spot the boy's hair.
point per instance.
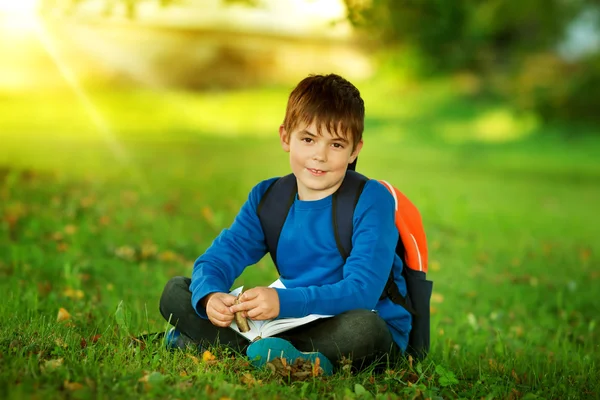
(330, 101)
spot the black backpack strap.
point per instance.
(343, 204)
(273, 209)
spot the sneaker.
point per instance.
(177, 340)
(264, 350)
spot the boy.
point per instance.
(322, 132)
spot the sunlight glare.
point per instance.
(18, 14)
(18, 6)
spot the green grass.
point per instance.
(511, 227)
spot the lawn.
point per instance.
(106, 195)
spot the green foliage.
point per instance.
(513, 252)
(509, 44)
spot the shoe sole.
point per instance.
(264, 350)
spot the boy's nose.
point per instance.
(320, 155)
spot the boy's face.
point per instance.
(319, 162)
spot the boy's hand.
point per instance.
(218, 309)
(258, 303)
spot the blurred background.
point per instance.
(132, 130)
(538, 62)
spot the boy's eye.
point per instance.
(307, 140)
(338, 146)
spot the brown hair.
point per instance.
(330, 101)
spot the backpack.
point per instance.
(412, 246)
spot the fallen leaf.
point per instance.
(515, 377)
(73, 293)
(585, 254)
(316, 369)
(193, 358)
(50, 365)
(61, 343)
(90, 383)
(44, 288)
(208, 214)
(148, 250)
(87, 201)
(72, 386)
(95, 338)
(57, 236)
(70, 229)
(248, 380)
(168, 255)
(62, 247)
(153, 377)
(437, 298)
(63, 315)
(125, 252)
(207, 356)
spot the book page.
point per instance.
(272, 327)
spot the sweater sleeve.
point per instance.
(366, 270)
(235, 248)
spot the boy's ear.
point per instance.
(284, 138)
(357, 150)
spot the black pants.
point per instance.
(360, 335)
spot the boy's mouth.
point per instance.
(316, 172)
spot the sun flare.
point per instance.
(18, 14)
(19, 7)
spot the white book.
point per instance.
(271, 327)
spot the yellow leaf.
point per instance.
(61, 343)
(70, 229)
(148, 250)
(73, 294)
(207, 356)
(57, 236)
(72, 386)
(52, 364)
(63, 315)
(168, 255)
(437, 298)
(125, 252)
(193, 358)
(208, 214)
(247, 379)
(62, 247)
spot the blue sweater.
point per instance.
(316, 278)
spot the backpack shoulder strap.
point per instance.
(273, 209)
(343, 204)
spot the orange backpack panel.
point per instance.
(409, 224)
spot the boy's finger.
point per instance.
(245, 306)
(258, 314)
(222, 318)
(229, 300)
(223, 309)
(249, 295)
